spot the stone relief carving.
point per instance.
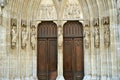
(47, 11)
(72, 11)
(87, 36)
(96, 33)
(24, 35)
(60, 36)
(33, 36)
(106, 31)
(13, 33)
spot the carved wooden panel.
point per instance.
(73, 29)
(47, 29)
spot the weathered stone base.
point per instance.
(26, 78)
(87, 77)
(60, 77)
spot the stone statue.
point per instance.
(33, 37)
(60, 36)
(96, 37)
(87, 36)
(96, 33)
(106, 35)
(106, 31)
(13, 36)
(24, 37)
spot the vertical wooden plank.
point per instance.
(67, 58)
(42, 59)
(52, 58)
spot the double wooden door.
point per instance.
(73, 59)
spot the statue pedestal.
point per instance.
(60, 77)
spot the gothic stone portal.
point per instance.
(73, 57)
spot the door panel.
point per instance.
(67, 58)
(52, 58)
(79, 58)
(47, 51)
(73, 55)
(42, 59)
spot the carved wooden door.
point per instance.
(73, 57)
(47, 51)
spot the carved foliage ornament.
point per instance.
(33, 36)
(13, 33)
(24, 34)
(87, 35)
(96, 33)
(106, 31)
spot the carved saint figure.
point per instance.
(13, 36)
(106, 35)
(24, 37)
(33, 37)
(60, 36)
(87, 36)
(97, 37)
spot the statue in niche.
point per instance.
(96, 33)
(106, 31)
(24, 37)
(33, 37)
(96, 36)
(13, 36)
(87, 36)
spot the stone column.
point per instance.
(60, 54)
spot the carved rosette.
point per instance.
(96, 33)
(13, 33)
(24, 34)
(106, 31)
(33, 36)
(87, 36)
